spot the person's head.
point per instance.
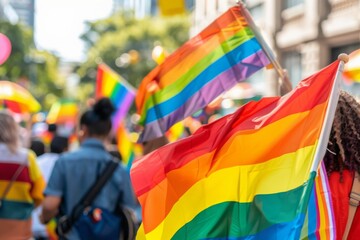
(38, 146)
(59, 144)
(96, 122)
(52, 128)
(9, 131)
(343, 150)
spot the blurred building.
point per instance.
(25, 10)
(141, 8)
(306, 35)
(7, 12)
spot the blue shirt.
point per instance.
(75, 172)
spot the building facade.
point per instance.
(25, 10)
(306, 35)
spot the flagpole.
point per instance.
(267, 50)
(330, 114)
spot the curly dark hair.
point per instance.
(344, 142)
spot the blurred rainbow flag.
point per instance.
(51, 229)
(112, 85)
(17, 99)
(224, 53)
(176, 132)
(126, 146)
(351, 71)
(64, 111)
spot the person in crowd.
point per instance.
(38, 146)
(342, 163)
(154, 144)
(21, 182)
(74, 172)
(58, 145)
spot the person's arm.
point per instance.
(128, 195)
(38, 182)
(50, 208)
(129, 198)
(54, 192)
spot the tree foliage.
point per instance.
(38, 68)
(125, 44)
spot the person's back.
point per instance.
(342, 163)
(21, 183)
(78, 170)
(75, 172)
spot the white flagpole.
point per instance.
(267, 50)
(330, 114)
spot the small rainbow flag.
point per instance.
(248, 175)
(17, 99)
(223, 54)
(175, 132)
(112, 85)
(63, 111)
(51, 230)
(125, 146)
(352, 68)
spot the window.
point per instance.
(292, 63)
(343, 49)
(292, 3)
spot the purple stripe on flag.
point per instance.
(329, 205)
(205, 95)
(123, 109)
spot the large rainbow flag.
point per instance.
(248, 175)
(223, 54)
(112, 85)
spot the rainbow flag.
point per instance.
(352, 68)
(125, 146)
(319, 221)
(63, 111)
(51, 229)
(248, 175)
(175, 132)
(112, 85)
(223, 54)
(17, 99)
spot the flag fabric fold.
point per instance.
(248, 174)
(223, 54)
(112, 85)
